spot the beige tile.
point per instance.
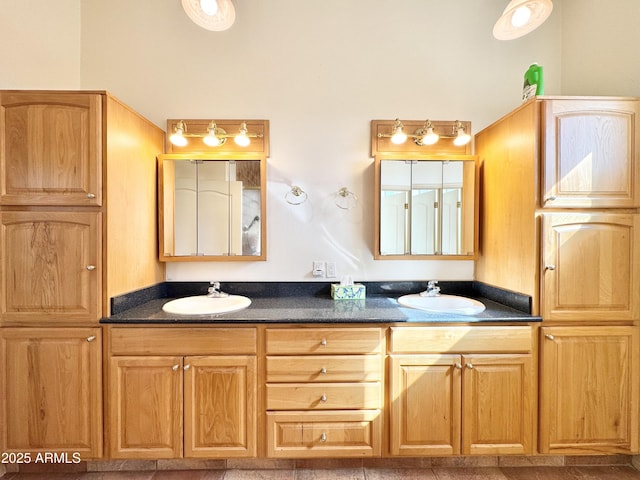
(399, 474)
(598, 460)
(121, 465)
(124, 475)
(330, 474)
(469, 473)
(329, 463)
(531, 461)
(480, 461)
(259, 475)
(260, 464)
(191, 464)
(541, 473)
(608, 473)
(397, 463)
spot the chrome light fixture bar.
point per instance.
(521, 17)
(214, 137)
(426, 135)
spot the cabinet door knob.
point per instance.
(323, 341)
(91, 267)
(548, 336)
(323, 370)
(458, 365)
(91, 338)
(323, 398)
(91, 195)
(469, 365)
(175, 368)
(551, 198)
(323, 437)
(186, 367)
(549, 267)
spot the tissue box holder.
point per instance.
(356, 291)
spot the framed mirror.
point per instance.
(212, 208)
(425, 207)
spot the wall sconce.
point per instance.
(521, 17)
(214, 15)
(214, 137)
(427, 135)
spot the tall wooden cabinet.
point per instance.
(560, 220)
(77, 203)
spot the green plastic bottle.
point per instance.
(533, 82)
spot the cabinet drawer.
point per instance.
(320, 341)
(323, 396)
(469, 339)
(324, 368)
(180, 341)
(320, 434)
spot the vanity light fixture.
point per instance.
(461, 136)
(214, 137)
(214, 15)
(521, 17)
(426, 135)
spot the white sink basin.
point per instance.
(203, 305)
(443, 304)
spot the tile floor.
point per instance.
(589, 472)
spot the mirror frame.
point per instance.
(163, 223)
(470, 216)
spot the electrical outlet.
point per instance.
(318, 268)
(331, 269)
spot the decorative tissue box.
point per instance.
(356, 291)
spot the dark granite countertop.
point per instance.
(311, 302)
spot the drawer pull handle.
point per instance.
(323, 398)
(91, 195)
(551, 198)
(458, 365)
(323, 437)
(323, 342)
(548, 336)
(549, 267)
(323, 370)
(91, 267)
(91, 338)
(470, 365)
(175, 368)
(186, 367)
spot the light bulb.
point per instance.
(209, 7)
(430, 137)
(521, 16)
(177, 137)
(242, 140)
(462, 138)
(211, 140)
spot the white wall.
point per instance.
(320, 71)
(40, 44)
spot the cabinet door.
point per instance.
(425, 404)
(498, 405)
(589, 390)
(50, 148)
(51, 386)
(50, 267)
(591, 266)
(220, 406)
(590, 149)
(145, 407)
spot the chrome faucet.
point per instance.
(214, 291)
(432, 289)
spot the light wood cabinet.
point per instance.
(51, 386)
(591, 266)
(590, 151)
(570, 153)
(171, 406)
(50, 148)
(324, 392)
(589, 390)
(447, 403)
(50, 267)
